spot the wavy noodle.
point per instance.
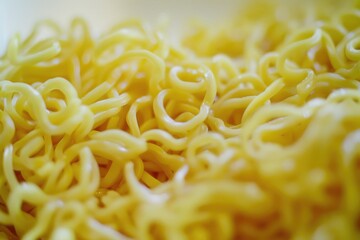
(249, 131)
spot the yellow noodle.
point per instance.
(246, 130)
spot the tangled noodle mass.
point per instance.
(246, 131)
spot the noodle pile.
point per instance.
(246, 131)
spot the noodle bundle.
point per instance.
(246, 131)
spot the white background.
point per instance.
(20, 15)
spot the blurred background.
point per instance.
(20, 15)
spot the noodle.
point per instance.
(246, 131)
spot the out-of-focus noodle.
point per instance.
(246, 131)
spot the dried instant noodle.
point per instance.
(248, 131)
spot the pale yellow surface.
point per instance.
(249, 129)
